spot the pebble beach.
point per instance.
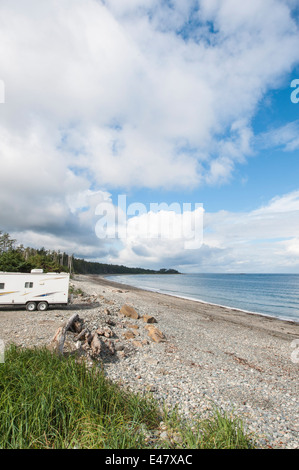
(244, 364)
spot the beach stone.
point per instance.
(132, 325)
(110, 347)
(164, 435)
(155, 334)
(96, 344)
(129, 335)
(152, 361)
(176, 437)
(149, 319)
(70, 346)
(128, 311)
(139, 343)
(151, 388)
(106, 331)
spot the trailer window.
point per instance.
(28, 285)
(2, 285)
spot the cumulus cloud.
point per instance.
(122, 94)
(258, 241)
(113, 95)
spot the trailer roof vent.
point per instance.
(37, 270)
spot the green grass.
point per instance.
(74, 291)
(219, 431)
(51, 402)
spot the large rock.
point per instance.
(129, 334)
(149, 319)
(155, 334)
(128, 311)
(96, 344)
(118, 346)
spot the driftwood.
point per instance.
(59, 338)
(95, 343)
(88, 337)
(83, 334)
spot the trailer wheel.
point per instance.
(31, 306)
(42, 306)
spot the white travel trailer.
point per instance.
(35, 290)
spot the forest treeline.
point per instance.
(17, 258)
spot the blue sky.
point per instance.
(267, 173)
(174, 102)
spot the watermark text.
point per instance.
(295, 93)
(163, 221)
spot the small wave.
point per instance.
(176, 287)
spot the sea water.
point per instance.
(275, 295)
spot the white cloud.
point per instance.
(124, 94)
(263, 240)
(258, 241)
(79, 69)
(285, 137)
(287, 204)
(291, 247)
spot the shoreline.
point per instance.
(289, 320)
(254, 319)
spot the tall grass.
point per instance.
(219, 431)
(51, 402)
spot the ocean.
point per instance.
(275, 295)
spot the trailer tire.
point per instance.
(42, 306)
(31, 306)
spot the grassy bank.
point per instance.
(52, 402)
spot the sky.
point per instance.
(187, 111)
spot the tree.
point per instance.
(6, 243)
(13, 261)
